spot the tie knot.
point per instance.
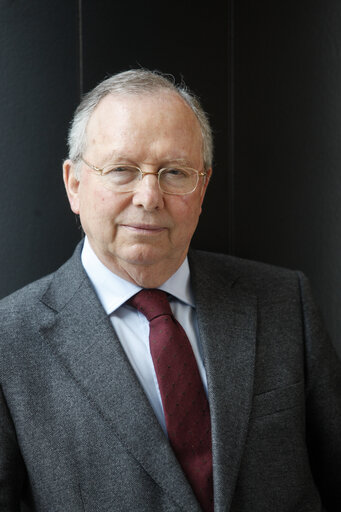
(151, 303)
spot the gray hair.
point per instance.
(135, 81)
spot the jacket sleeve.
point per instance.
(12, 470)
(323, 404)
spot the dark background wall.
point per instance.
(287, 132)
(269, 75)
(39, 75)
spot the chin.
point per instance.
(143, 256)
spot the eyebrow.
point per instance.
(114, 156)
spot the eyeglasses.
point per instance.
(172, 180)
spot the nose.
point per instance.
(147, 193)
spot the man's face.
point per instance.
(142, 236)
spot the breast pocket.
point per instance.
(277, 400)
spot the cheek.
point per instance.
(93, 214)
(192, 205)
(100, 204)
(185, 212)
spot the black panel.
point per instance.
(186, 39)
(287, 135)
(38, 90)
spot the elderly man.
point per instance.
(143, 376)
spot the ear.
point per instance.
(205, 184)
(71, 185)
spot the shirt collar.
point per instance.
(113, 291)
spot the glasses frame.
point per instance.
(101, 172)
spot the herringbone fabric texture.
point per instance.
(183, 396)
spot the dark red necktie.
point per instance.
(183, 396)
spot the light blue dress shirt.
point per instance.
(132, 327)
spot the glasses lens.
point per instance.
(122, 177)
(172, 180)
(178, 180)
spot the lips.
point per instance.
(144, 228)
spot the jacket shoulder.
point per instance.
(232, 269)
(25, 298)
(63, 279)
(28, 304)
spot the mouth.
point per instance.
(147, 229)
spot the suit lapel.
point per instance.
(83, 340)
(227, 326)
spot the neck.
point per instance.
(146, 276)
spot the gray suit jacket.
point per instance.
(77, 432)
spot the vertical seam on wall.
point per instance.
(230, 128)
(80, 47)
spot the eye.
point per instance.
(121, 174)
(177, 173)
(122, 169)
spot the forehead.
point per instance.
(147, 123)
